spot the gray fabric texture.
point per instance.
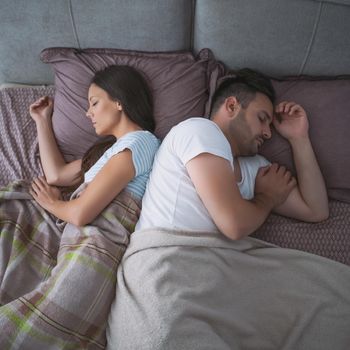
(330, 238)
(278, 37)
(188, 290)
(27, 27)
(19, 151)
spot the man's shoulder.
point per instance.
(195, 121)
(195, 125)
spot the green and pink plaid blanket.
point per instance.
(57, 281)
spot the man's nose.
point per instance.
(267, 132)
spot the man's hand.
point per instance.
(274, 183)
(291, 121)
(41, 109)
(43, 193)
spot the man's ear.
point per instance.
(232, 105)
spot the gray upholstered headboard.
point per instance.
(279, 37)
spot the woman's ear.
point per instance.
(119, 106)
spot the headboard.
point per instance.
(278, 37)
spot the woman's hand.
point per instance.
(43, 193)
(291, 121)
(41, 109)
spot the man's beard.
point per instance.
(247, 143)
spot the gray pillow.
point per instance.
(179, 81)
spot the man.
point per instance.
(207, 175)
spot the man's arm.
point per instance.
(308, 201)
(234, 216)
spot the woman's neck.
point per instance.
(125, 126)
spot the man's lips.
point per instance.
(260, 142)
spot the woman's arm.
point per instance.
(110, 180)
(56, 170)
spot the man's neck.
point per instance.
(237, 170)
(233, 145)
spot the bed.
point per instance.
(284, 287)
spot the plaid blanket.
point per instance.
(58, 280)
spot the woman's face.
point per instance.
(104, 113)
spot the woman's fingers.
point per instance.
(35, 186)
(39, 184)
(44, 100)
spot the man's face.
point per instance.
(251, 127)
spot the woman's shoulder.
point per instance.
(139, 137)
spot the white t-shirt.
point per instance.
(171, 200)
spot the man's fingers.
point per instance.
(281, 169)
(288, 175)
(288, 106)
(279, 107)
(274, 167)
(295, 108)
(263, 170)
(292, 182)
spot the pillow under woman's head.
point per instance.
(180, 84)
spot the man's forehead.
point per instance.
(264, 105)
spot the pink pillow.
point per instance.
(180, 84)
(327, 103)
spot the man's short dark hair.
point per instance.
(243, 84)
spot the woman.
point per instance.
(121, 106)
(65, 304)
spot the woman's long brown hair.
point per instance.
(128, 86)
